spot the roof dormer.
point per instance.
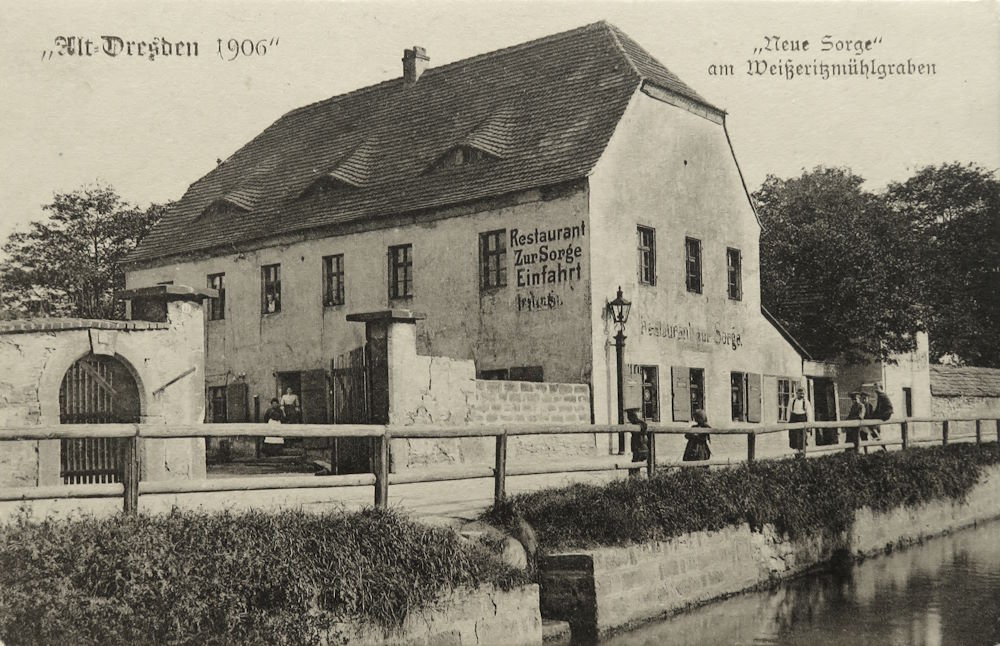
(356, 170)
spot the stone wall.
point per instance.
(36, 355)
(968, 407)
(464, 618)
(608, 589)
(445, 391)
(522, 402)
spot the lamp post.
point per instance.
(619, 309)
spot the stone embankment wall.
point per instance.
(608, 589)
(464, 618)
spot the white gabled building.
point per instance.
(506, 196)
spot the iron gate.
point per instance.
(95, 390)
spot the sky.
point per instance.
(152, 127)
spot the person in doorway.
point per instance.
(799, 410)
(697, 448)
(858, 411)
(290, 406)
(273, 445)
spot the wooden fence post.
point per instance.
(998, 430)
(651, 454)
(751, 447)
(130, 473)
(382, 471)
(944, 433)
(905, 432)
(500, 470)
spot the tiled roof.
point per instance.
(963, 381)
(543, 110)
(55, 324)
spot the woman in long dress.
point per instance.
(697, 443)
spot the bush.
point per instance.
(210, 578)
(797, 496)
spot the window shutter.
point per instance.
(236, 402)
(753, 397)
(681, 378)
(314, 399)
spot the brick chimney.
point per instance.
(414, 63)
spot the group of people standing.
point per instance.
(800, 410)
(862, 408)
(282, 411)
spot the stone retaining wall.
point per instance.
(608, 589)
(464, 618)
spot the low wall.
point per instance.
(463, 618)
(440, 390)
(608, 589)
(968, 407)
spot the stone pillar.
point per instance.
(174, 395)
(391, 337)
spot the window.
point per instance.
(738, 392)
(650, 393)
(217, 305)
(784, 398)
(270, 293)
(493, 259)
(526, 373)
(517, 373)
(333, 280)
(647, 256)
(461, 156)
(733, 269)
(401, 271)
(697, 378)
(217, 404)
(693, 264)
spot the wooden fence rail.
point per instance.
(130, 436)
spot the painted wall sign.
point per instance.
(546, 258)
(689, 332)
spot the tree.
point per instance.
(70, 264)
(838, 266)
(956, 208)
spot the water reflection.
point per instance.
(946, 591)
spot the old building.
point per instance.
(507, 197)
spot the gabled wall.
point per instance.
(671, 169)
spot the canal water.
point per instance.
(943, 592)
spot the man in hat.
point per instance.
(859, 410)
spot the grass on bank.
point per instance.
(221, 578)
(798, 496)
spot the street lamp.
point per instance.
(619, 309)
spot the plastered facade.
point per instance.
(496, 328)
(35, 363)
(672, 170)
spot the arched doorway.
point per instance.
(95, 390)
